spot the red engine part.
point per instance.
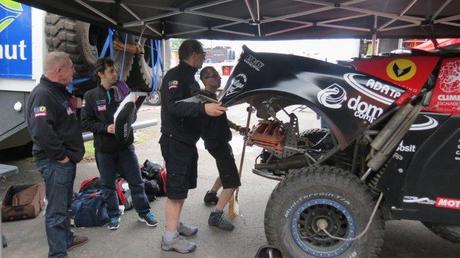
(267, 134)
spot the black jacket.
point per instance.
(97, 114)
(181, 120)
(53, 124)
(215, 130)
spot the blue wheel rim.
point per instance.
(317, 251)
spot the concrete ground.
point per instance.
(403, 239)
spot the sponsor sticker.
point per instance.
(406, 148)
(401, 69)
(332, 97)
(254, 62)
(447, 203)
(173, 84)
(40, 111)
(237, 83)
(418, 200)
(428, 125)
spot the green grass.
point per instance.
(139, 138)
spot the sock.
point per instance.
(169, 236)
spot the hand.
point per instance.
(214, 109)
(111, 129)
(65, 160)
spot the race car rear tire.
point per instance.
(448, 232)
(83, 42)
(333, 195)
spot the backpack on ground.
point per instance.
(91, 183)
(89, 209)
(154, 171)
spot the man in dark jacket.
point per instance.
(216, 135)
(181, 128)
(113, 156)
(58, 147)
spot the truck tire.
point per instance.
(316, 135)
(325, 194)
(141, 74)
(82, 42)
(448, 232)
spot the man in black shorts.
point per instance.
(216, 135)
(180, 130)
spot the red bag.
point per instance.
(124, 194)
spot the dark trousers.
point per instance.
(225, 162)
(59, 179)
(126, 164)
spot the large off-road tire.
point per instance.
(317, 137)
(141, 74)
(328, 194)
(448, 232)
(83, 42)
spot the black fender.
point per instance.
(347, 100)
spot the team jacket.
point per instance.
(181, 120)
(97, 114)
(53, 124)
(215, 130)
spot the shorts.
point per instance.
(181, 161)
(226, 166)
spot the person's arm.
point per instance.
(41, 119)
(89, 120)
(174, 92)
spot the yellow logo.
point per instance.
(42, 109)
(401, 69)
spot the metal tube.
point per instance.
(88, 136)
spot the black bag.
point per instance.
(152, 190)
(89, 209)
(152, 171)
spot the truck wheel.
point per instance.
(141, 74)
(448, 232)
(327, 195)
(315, 135)
(82, 42)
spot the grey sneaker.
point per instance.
(178, 244)
(186, 230)
(217, 219)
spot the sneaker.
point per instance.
(178, 244)
(149, 219)
(217, 219)
(186, 230)
(114, 223)
(210, 198)
(77, 241)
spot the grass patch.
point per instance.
(89, 150)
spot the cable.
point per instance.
(323, 226)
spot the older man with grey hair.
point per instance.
(58, 147)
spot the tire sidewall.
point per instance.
(301, 196)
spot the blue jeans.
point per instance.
(59, 179)
(126, 164)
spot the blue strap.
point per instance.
(152, 65)
(107, 44)
(120, 76)
(74, 84)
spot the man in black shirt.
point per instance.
(113, 156)
(58, 147)
(216, 135)
(180, 129)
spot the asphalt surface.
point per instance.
(403, 239)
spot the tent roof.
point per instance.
(267, 19)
